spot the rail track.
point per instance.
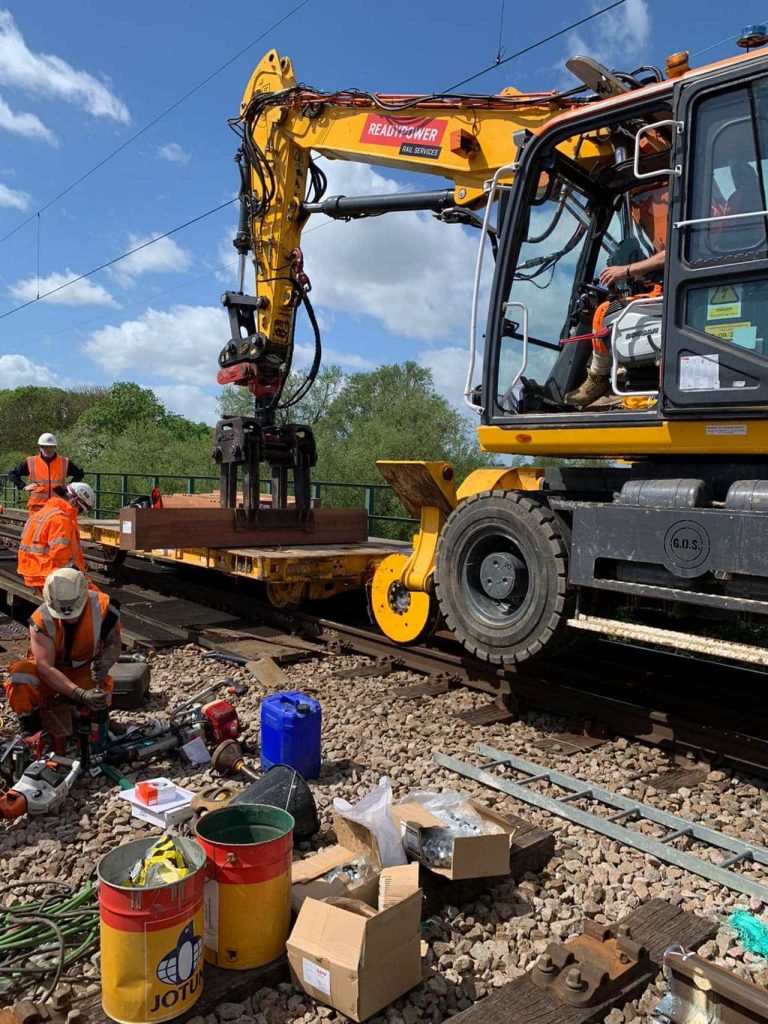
(685, 703)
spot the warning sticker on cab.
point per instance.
(699, 373)
(726, 430)
(724, 302)
(421, 135)
(726, 331)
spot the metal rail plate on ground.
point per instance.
(624, 809)
(655, 924)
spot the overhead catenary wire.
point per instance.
(150, 124)
(117, 259)
(174, 288)
(540, 42)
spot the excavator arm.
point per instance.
(282, 124)
(465, 139)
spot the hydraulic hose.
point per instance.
(41, 938)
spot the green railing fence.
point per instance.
(114, 490)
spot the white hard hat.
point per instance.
(65, 592)
(86, 499)
(47, 441)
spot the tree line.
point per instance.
(393, 412)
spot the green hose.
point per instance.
(42, 937)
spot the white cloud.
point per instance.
(188, 400)
(13, 198)
(162, 257)
(48, 75)
(83, 293)
(304, 354)
(449, 371)
(173, 153)
(407, 270)
(16, 370)
(28, 125)
(187, 339)
(619, 37)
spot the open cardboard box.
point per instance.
(359, 964)
(471, 856)
(306, 875)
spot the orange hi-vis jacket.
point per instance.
(45, 476)
(24, 688)
(50, 540)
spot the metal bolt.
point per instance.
(545, 964)
(61, 998)
(573, 978)
(462, 193)
(623, 932)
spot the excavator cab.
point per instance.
(686, 175)
(547, 279)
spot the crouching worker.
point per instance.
(74, 639)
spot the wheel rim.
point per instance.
(497, 577)
(403, 615)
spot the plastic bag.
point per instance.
(373, 811)
(455, 811)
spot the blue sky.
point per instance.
(77, 79)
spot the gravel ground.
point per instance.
(366, 734)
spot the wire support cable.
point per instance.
(117, 259)
(150, 124)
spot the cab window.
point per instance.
(729, 177)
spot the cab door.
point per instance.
(716, 309)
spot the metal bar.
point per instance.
(733, 859)
(622, 814)
(623, 803)
(721, 217)
(523, 782)
(595, 823)
(676, 835)
(575, 796)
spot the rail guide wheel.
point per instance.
(405, 616)
(501, 577)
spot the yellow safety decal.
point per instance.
(725, 331)
(724, 302)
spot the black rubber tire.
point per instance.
(497, 630)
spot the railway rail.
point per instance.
(681, 701)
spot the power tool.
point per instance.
(42, 788)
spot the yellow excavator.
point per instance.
(625, 221)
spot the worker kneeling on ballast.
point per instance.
(74, 639)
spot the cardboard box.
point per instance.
(306, 874)
(359, 964)
(471, 857)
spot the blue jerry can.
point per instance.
(290, 732)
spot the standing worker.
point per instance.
(46, 471)
(74, 639)
(51, 538)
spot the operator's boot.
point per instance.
(595, 386)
